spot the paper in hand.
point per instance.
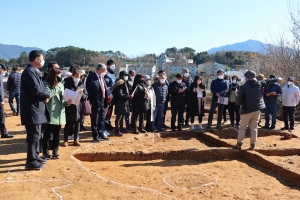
(74, 96)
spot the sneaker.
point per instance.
(71, 137)
(106, 133)
(33, 166)
(103, 137)
(238, 146)
(284, 128)
(192, 128)
(55, 156)
(291, 130)
(225, 122)
(200, 128)
(47, 156)
(118, 133)
(252, 147)
(237, 124)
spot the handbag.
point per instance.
(86, 106)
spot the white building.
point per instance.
(210, 68)
(141, 69)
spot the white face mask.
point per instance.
(220, 77)
(162, 80)
(179, 81)
(42, 62)
(226, 81)
(290, 83)
(186, 74)
(234, 81)
(148, 82)
(103, 74)
(76, 80)
(112, 67)
(125, 78)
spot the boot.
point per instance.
(76, 143)
(142, 130)
(65, 144)
(136, 131)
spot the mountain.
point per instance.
(249, 45)
(13, 51)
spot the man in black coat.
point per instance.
(177, 92)
(188, 81)
(97, 94)
(4, 133)
(13, 87)
(33, 108)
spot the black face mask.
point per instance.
(59, 79)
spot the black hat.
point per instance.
(291, 79)
(178, 76)
(123, 73)
(272, 76)
(250, 74)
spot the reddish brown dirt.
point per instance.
(74, 179)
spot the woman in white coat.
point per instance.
(151, 104)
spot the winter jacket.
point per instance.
(14, 81)
(151, 101)
(161, 93)
(74, 112)
(110, 78)
(121, 96)
(290, 95)
(193, 96)
(56, 104)
(176, 97)
(250, 97)
(272, 88)
(233, 87)
(139, 102)
(219, 86)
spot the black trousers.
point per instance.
(177, 109)
(233, 108)
(34, 132)
(3, 129)
(98, 121)
(55, 131)
(135, 116)
(188, 114)
(111, 109)
(213, 107)
(75, 127)
(119, 122)
(165, 111)
(289, 115)
(226, 107)
(199, 118)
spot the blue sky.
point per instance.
(138, 27)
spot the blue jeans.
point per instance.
(271, 109)
(14, 94)
(159, 114)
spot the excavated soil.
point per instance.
(186, 165)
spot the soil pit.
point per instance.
(266, 139)
(190, 179)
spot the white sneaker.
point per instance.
(200, 128)
(71, 137)
(106, 133)
(192, 128)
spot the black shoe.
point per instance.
(284, 128)
(33, 166)
(6, 135)
(55, 156)
(173, 130)
(231, 125)
(219, 126)
(41, 160)
(208, 126)
(96, 141)
(47, 156)
(179, 128)
(187, 124)
(225, 121)
(165, 126)
(161, 129)
(18, 114)
(265, 127)
(272, 127)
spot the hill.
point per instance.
(13, 51)
(249, 45)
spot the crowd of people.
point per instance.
(134, 99)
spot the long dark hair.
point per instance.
(51, 77)
(195, 82)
